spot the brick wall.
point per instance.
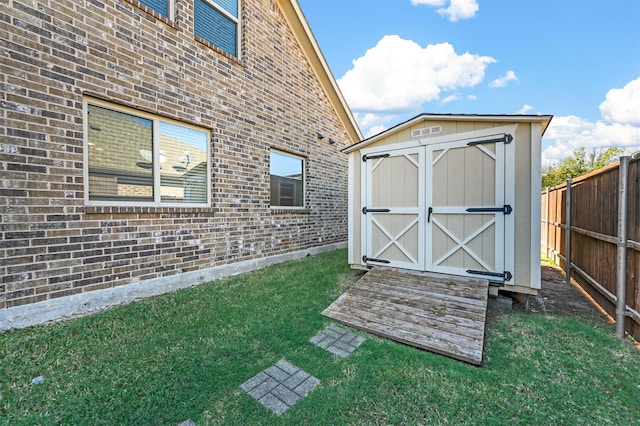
(54, 53)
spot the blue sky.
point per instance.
(578, 60)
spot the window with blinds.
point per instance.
(136, 158)
(160, 6)
(217, 21)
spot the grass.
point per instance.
(183, 356)
(545, 261)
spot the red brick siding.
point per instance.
(55, 53)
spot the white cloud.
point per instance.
(502, 81)
(460, 9)
(623, 105)
(375, 130)
(400, 75)
(472, 97)
(570, 133)
(619, 127)
(457, 10)
(372, 123)
(371, 119)
(525, 109)
(450, 98)
(436, 3)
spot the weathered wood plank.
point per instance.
(423, 313)
(454, 325)
(430, 343)
(414, 287)
(374, 314)
(438, 307)
(424, 283)
(424, 295)
(435, 312)
(465, 287)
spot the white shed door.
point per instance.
(466, 209)
(394, 208)
(437, 208)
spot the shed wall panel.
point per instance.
(522, 205)
(451, 177)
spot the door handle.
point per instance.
(429, 215)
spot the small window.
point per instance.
(217, 22)
(163, 7)
(287, 180)
(135, 158)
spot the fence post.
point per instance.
(546, 226)
(621, 266)
(567, 216)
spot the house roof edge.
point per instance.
(303, 33)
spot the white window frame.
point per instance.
(156, 157)
(238, 22)
(304, 181)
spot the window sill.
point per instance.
(148, 210)
(290, 210)
(218, 50)
(157, 15)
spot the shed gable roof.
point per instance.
(504, 118)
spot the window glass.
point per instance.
(287, 180)
(120, 151)
(217, 22)
(160, 6)
(124, 164)
(183, 164)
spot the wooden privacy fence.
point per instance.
(602, 211)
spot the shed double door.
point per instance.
(438, 208)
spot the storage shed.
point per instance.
(453, 194)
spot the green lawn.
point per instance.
(183, 356)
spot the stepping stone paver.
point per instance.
(338, 341)
(280, 386)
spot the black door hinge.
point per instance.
(505, 138)
(366, 259)
(506, 209)
(369, 157)
(366, 210)
(506, 275)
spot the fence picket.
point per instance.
(592, 231)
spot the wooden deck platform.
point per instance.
(440, 313)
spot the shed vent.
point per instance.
(426, 131)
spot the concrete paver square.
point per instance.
(338, 341)
(295, 380)
(272, 402)
(278, 374)
(287, 366)
(306, 386)
(280, 386)
(286, 395)
(254, 381)
(263, 388)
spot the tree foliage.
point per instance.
(578, 164)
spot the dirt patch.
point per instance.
(556, 297)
